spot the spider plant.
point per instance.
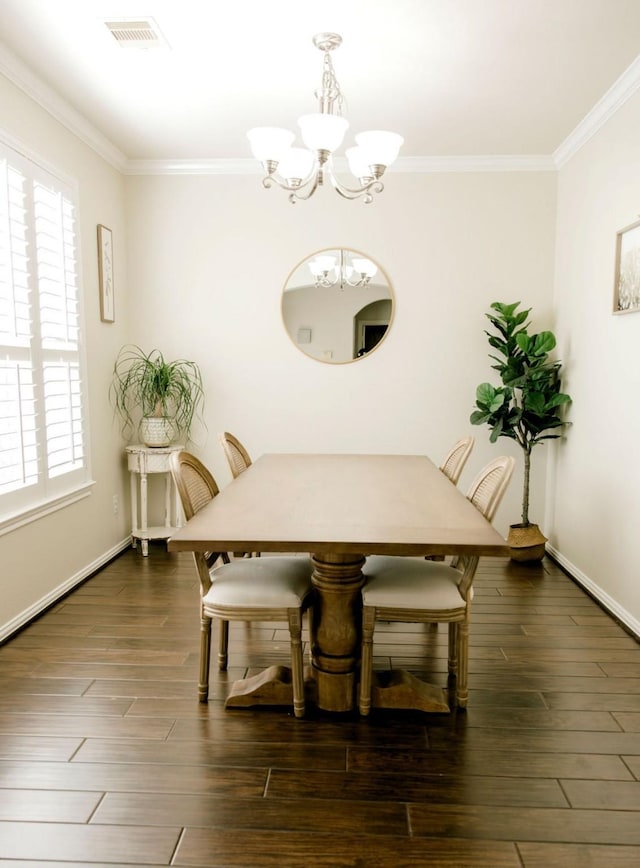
(147, 385)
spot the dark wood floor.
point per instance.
(107, 758)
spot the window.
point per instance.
(42, 419)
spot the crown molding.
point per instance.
(193, 167)
(475, 163)
(411, 165)
(20, 74)
(603, 110)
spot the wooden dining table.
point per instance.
(340, 509)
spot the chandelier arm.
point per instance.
(375, 185)
(293, 190)
(316, 175)
(271, 179)
(360, 282)
(296, 195)
(322, 281)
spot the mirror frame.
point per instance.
(383, 278)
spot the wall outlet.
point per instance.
(116, 504)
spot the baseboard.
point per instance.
(611, 606)
(7, 630)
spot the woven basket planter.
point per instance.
(527, 542)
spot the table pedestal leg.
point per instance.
(335, 629)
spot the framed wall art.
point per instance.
(626, 294)
(105, 274)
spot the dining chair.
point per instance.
(456, 458)
(413, 590)
(265, 589)
(237, 456)
(238, 459)
(452, 467)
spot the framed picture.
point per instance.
(105, 274)
(626, 297)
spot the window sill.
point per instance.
(39, 510)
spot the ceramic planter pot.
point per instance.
(156, 431)
(527, 542)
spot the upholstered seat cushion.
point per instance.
(410, 583)
(270, 583)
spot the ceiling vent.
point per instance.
(136, 34)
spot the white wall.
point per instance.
(44, 556)
(210, 256)
(594, 506)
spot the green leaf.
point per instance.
(513, 375)
(478, 417)
(523, 341)
(535, 402)
(507, 310)
(485, 394)
(521, 317)
(498, 344)
(499, 361)
(556, 400)
(496, 432)
(498, 401)
(497, 324)
(543, 343)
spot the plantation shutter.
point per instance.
(59, 328)
(42, 436)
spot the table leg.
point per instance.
(335, 629)
(143, 513)
(134, 509)
(167, 500)
(177, 506)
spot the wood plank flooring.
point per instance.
(107, 758)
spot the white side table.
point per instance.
(143, 460)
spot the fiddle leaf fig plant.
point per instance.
(526, 407)
(147, 385)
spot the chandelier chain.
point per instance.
(330, 96)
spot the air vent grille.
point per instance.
(136, 34)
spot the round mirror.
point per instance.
(337, 305)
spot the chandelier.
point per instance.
(329, 270)
(300, 171)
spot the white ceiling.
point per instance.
(454, 77)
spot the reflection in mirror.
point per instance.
(337, 305)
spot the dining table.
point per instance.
(339, 509)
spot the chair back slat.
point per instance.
(489, 486)
(236, 454)
(196, 488)
(456, 458)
